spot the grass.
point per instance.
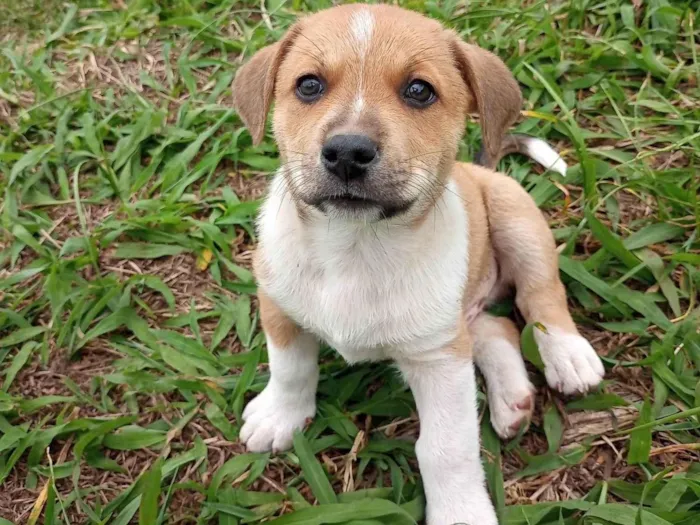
(129, 339)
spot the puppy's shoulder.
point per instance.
(489, 184)
(471, 181)
(468, 174)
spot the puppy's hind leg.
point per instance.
(527, 257)
(497, 354)
(289, 398)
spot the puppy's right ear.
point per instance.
(254, 85)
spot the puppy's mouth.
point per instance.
(349, 201)
(356, 204)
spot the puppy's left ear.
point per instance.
(496, 94)
(254, 85)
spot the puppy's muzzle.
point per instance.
(349, 157)
(353, 182)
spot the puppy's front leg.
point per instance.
(448, 448)
(289, 398)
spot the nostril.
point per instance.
(330, 155)
(365, 155)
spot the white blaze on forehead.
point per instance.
(361, 27)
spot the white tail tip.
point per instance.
(542, 153)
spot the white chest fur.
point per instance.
(371, 291)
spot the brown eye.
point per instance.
(420, 94)
(309, 88)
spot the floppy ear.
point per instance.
(496, 94)
(254, 85)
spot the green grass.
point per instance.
(129, 339)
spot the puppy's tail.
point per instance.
(537, 149)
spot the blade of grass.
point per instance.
(313, 471)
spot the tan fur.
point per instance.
(462, 346)
(480, 250)
(525, 249)
(275, 323)
(497, 328)
(506, 225)
(277, 326)
(258, 76)
(496, 93)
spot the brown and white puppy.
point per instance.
(374, 240)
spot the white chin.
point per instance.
(352, 213)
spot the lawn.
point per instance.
(129, 338)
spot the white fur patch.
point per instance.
(287, 401)
(542, 153)
(371, 290)
(382, 290)
(359, 104)
(509, 389)
(448, 448)
(362, 27)
(571, 364)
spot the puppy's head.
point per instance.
(370, 104)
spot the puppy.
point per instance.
(374, 240)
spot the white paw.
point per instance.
(511, 407)
(476, 509)
(571, 364)
(272, 418)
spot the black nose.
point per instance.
(349, 156)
